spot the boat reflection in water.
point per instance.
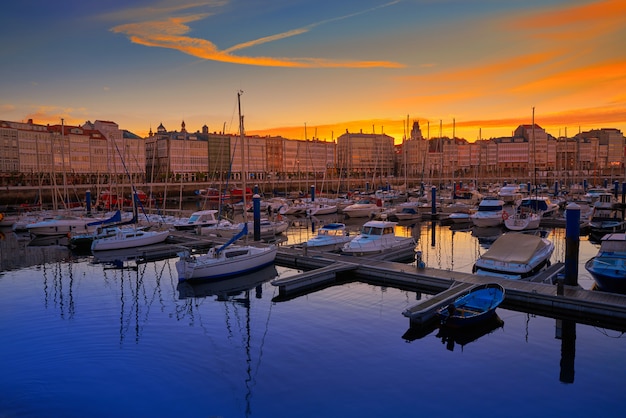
(119, 258)
(227, 288)
(451, 336)
(465, 335)
(234, 293)
(487, 235)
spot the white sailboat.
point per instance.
(228, 260)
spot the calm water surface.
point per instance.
(85, 339)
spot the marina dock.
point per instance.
(547, 296)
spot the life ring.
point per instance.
(505, 215)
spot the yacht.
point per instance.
(376, 237)
(330, 237)
(198, 219)
(490, 213)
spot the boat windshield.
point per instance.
(371, 230)
(485, 208)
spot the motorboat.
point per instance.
(490, 212)
(510, 193)
(197, 220)
(361, 210)
(608, 267)
(407, 211)
(317, 209)
(606, 218)
(226, 261)
(129, 237)
(376, 237)
(595, 193)
(330, 237)
(516, 256)
(476, 304)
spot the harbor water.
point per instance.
(83, 337)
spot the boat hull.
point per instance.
(609, 273)
(129, 240)
(227, 264)
(476, 305)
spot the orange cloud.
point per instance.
(577, 21)
(168, 33)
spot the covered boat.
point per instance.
(515, 256)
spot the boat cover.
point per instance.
(514, 248)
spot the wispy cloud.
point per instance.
(170, 32)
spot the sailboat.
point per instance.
(228, 260)
(128, 236)
(532, 209)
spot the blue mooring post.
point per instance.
(256, 189)
(528, 185)
(367, 186)
(433, 196)
(572, 244)
(312, 193)
(454, 190)
(88, 200)
(256, 206)
(606, 183)
(556, 188)
(585, 185)
(615, 189)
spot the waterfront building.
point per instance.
(365, 155)
(101, 153)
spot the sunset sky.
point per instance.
(317, 68)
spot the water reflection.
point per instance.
(235, 293)
(486, 235)
(227, 289)
(452, 336)
(58, 287)
(464, 335)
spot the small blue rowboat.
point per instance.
(475, 305)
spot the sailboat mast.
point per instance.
(243, 160)
(534, 156)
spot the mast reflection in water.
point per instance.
(82, 338)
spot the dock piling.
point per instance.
(572, 244)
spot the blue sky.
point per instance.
(317, 68)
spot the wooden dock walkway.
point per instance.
(537, 297)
